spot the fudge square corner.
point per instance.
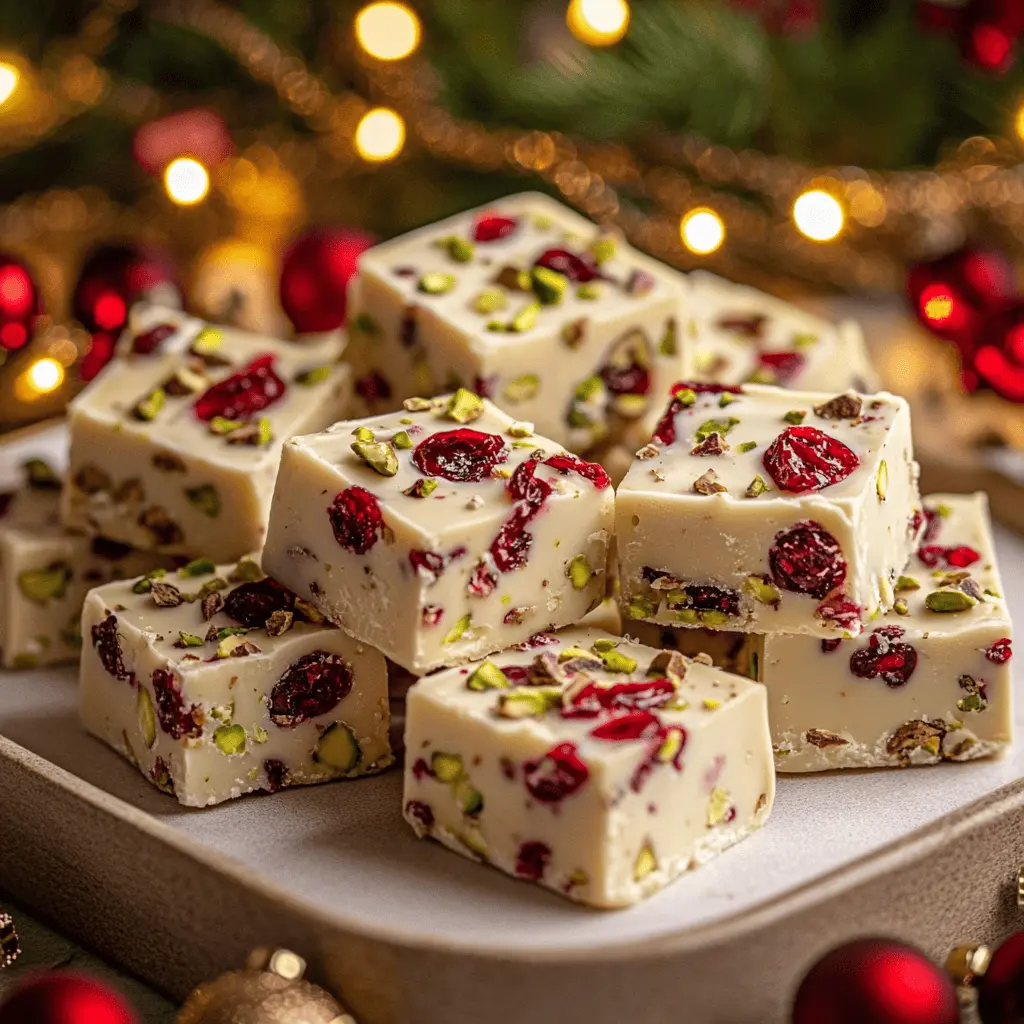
(441, 532)
(762, 510)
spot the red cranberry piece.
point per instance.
(511, 548)
(491, 227)
(373, 388)
(432, 614)
(784, 365)
(629, 380)
(462, 455)
(803, 459)
(518, 675)
(175, 719)
(665, 431)
(934, 525)
(407, 328)
(111, 550)
(315, 684)
(713, 599)
(931, 554)
(421, 811)
(421, 769)
(916, 522)
(524, 485)
(828, 646)
(558, 774)
(807, 559)
(575, 267)
(885, 656)
(243, 394)
(1000, 652)
(961, 557)
(635, 725)
(148, 342)
(252, 604)
(276, 773)
(841, 613)
(535, 641)
(593, 699)
(432, 564)
(356, 519)
(482, 581)
(591, 471)
(532, 860)
(484, 386)
(108, 648)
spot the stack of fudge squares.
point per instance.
(557, 508)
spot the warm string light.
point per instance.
(187, 181)
(819, 215)
(598, 22)
(380, 135)
(387, 31)
(9, 78)
(702, 231)
(44, 375)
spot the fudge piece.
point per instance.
(527, 303)
(215, 682)
(735, 652)
(178, 453)
(435, 541)
(760, 510)
(594, 766)
(741, 335)
(929, 681)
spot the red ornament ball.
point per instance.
(997, 361)
(986, 31)
(876, 980)
(315, 273)
(19, 302)
(63, 997)
(1001, 990)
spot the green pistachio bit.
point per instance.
(260, 735)
(727, 399)
(402, 439)
(579, 571)
(569, 653)
(900, 606)
(588, 388)
(144, 584)
(40, 476)
(906, 583)
(630, 406)
(688, 616)
(548, 285)
(949, 601)
(641, 608)
(604, 248)
(225, 631)
(945, 511)
(378, 455)
(189, 640)
(227, 646)
(519, 429)
(616, 661)
(230, 739)
(522, 389)
(338, 748)
(671, 745)
(147, 408)
(972, 702)
(364, 323)
(711, 618)
(487, 677)
(490, 300)
(460, 249)
(266, 435)
(525, 319)
(882, 480)
(147, 716)
(757, 487)
(317, 375)
(436, 283)
(709, 427)
(645, 863)
(469, 799)
(447, 767)
(198, 567)
(421, 488)
(529, 703)
(207, 341)
(795, 416)
(718, 807)
(685, 396)
(604, 644)
(71, 634)
(589, 291)
(247, 571)
(221, 426)
(495, 325)
(463, 407)
(804, 340)
(746, 446)
(42, 585)
(205, 498)
(762, 591)
(364, 434)
(669, 346)
(460, 627)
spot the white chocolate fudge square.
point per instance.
(214, 682)
(45, 573)
(762, 510)
(440, 534)
(931, 681)
(590, 765)
(528, 304)
(178, 453)
(741, 335)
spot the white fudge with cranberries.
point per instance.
(590, 765)
(215, 682)
(529, 304)
(929, 681)
(45, 573)
(741, 335)
(441, 533)
(762, 510)
(178, 452)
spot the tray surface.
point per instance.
(344, 851)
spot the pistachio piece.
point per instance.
(221, 426)
(671, 746)
(147, 716)
(757, 487)
(882, 480)
(842, 407)
(900, 606)
(316, 375)
(378, 455)
(670, 665)
(42, 585)
(589, 387)
(795, 416)
(455, 633)
(308, 611)
(579, 571)
(206, 342)
(464, 407)
(447, 767)
(604, 643)
(548, 285)
(513, 278)
(522, 389)
(708, 484)
(39, 475)
(603, 248)
(949, 601)
(460, 249)
(421, 488)
(417, 405)
(645, 862)
(91, 479)
(469, 799)
(436, 283)
(589, 291)
(906, 583)
(197, 567)
(402, 440)
(487, 677)
(669, 345)
(205, 498)
(531, 703)
(616, 661)
(144, 583)
(490, 300)
(823, 738)
(718, 807)
(762, 591)
(709, 427)
(166, 595)
(364, 323)
(230, 739)
(641, 608)
(279, 622)
(246, 571)
(364, 434)
(188, 640)
(525, 319)
(746, 446)
(148, 408)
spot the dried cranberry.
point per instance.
(934, 525)
(373, 388)
(491, 227)
(111, 550)
(840, 613)
(713, 599)
(665, 431)
(575, 267)
(356, 519)
(511, 548)
(591, 471)
(635, 725)
(315, 684)
(1000, 652)
(885, 656)
(524, 485)
(407, 328)
(108, 648)
(803, 459)
(175, 719)
(242, 395)
(148, 342)
(828, 646)
(276, 773)
(784, 365)
(484, 386)
(252, 604)
(518, 675)
(916, 522)
(532, 860)
(421, 769)
(482, 581)
(432, 564)
(961, 557)
(807, 559)
(558, 774)
(537, 640)
(432, 615)
(593, 699)
(421, 811)
(462, 455)
(931, 554)
(626, 380)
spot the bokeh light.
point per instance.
(187, 181)
(380, 135)
(9, 77)
(702, 231)
(940, 307)
(388, 31)
(818, 215)
(598, 22)
(44, 376)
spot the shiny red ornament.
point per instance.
(315, 272)
(1001, 989)
(19, 302)
(997, 361)
(64, 997)
(987, 32)
(876, 980)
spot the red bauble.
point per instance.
(315, 273)
(876, 980)
(1001, 990)
(986, 31)
(63, 997)
(19, 302)
(997, 361)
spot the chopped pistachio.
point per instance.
(579, 571)
(205, 498)
(900, 607)
(143, 584)
(421, 488)
(746, 446)
(230, 739)
(604, 644)
(757, 487)
(436, 283)
(616, 661)
(709, 427)
(795, 416)
(207, 341)
(42, 585)
(363, 323)
(949, 601)
(197, 567)
(588, 291)
(762, 591)
(464, 407)
(708, 484)
(460, 249)
(529, 703)
(402, 440)
(447, 768)
(588, 388)
(882, 480)
(316, 375)
(726, 399)
(279, 622)
(641, 608)
(460, 627)
(39, 475)
(147, 408)
(944, 511)
(308, 611)
(470, 799)
(804, 340)
(219, 425)
(147, 716)
(548, 285)
(603, 248)
(710, 704)
(490, 300)
(718, 807)
(246, 571)
(166, 595)
(188, 640)
(520, 429)
(685, 396)
(906, 583)
(364, 434)
(417, 404)
(645, 863)
(378, 455)
(487, 677)
(525, 319)
(522, 389)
